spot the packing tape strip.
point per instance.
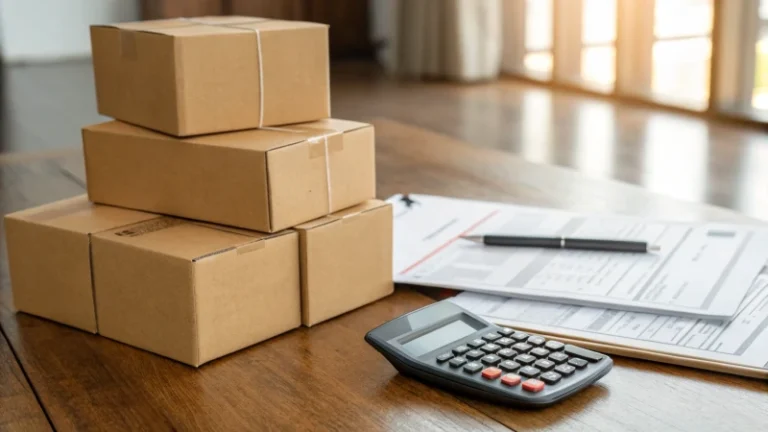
(326, 155)
(258, 53)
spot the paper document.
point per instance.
(702, 270)
(743, 341)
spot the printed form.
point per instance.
(702, 270)
(742, 341)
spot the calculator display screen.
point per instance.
(444, 335)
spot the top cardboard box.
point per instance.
(211, 74)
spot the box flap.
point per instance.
(264, 139)
(180, 238)
(339, 215)
(81, 216)
(198, 26)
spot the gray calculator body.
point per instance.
(413, 343)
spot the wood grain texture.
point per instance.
(327, 378)
(19, 409)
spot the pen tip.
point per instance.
(654, 248)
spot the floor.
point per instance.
(44, 106)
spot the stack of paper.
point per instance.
(701, 301)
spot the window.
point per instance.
(682, 50)
(538, 38)
(655, 50)
(598, 38)
(760, 92)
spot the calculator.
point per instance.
(445, 345)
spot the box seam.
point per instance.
(230, 248)
(178, 70)
(270, 209)
(338, 219)
(196, 324)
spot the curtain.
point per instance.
(454, 39)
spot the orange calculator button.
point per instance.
(533, 385)
(491, 373)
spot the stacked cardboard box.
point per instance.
(224, 207)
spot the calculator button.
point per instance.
(474, 354)
(525, 359)
(536, 340)
(490, 348)
(491, 373)
(491, 359)
(505, 331)
(442, 358)
(540, 352)
(477, 343)
(554, 345)
(490, 337)
(533, 385)
(528, 371)
(550, 377)
(558, 357)
(586, 354)
(505, 342)
(544, 364)
(519, 336)
(511, 380)
(565, 370)
(461, 349)
(521, 347)
(509, 366)
(578, 363)
(472, 367)
(457, 362)
(506, 353)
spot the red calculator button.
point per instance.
(491, 373)
(533, 385)
(511, 380)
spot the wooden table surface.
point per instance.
(327, 377)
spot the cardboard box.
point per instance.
(265, 180)
(192, 291)
(49, 254)
(211, 74)
(346, 260)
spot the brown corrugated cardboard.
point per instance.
(192, 291)
(211, 74)
(49, 254)
(266, 180)
(346, 260)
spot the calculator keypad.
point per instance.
(511, 357)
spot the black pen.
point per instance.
(564, 243)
